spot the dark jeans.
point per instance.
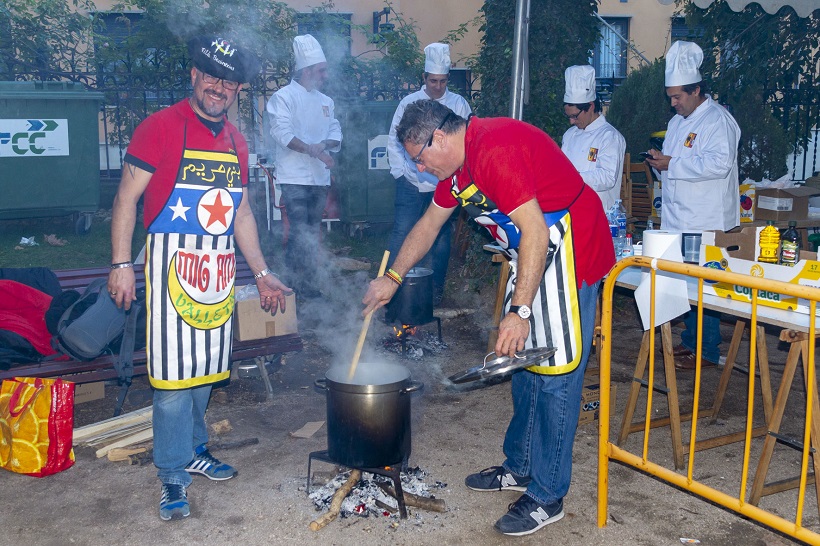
(711, 333)
(304, 206)
(410, 206)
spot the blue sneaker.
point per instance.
(174, 502)
(496, 478)
(209, 466)
(527, 515)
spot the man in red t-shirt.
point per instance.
(515, 181)
(191, 164)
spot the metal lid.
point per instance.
(501, 365)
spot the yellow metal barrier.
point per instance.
(609, 451)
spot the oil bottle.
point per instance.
(769, 243)
(790, 245)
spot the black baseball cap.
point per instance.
(222, 58)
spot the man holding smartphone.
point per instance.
(699, 175)
(595, 148)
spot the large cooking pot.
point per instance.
(368, 416)
(413, 302)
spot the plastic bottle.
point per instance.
(769, 243)
(620, 217)
(613, 230)
(628, 249)
(650, 224)
(790, 245)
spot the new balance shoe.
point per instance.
(527, 515)
(496, 478)
(173, 504)
(209, 466)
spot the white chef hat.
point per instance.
(683, 62)
(580, 84)
(307, 51)
(437, 58)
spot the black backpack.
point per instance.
(94, 325)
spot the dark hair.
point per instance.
(689, 88)
(421, 118)
(583, 107)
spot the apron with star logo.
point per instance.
(190, 269)
(556, 319)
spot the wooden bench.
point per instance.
(102, 368)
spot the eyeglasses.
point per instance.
(417, 160)
(227, 84)
(574, 117)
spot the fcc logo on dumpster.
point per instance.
(33, 137)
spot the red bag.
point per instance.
(36, 425)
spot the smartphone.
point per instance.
(645, 155)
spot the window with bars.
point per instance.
(610, 55)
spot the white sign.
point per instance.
(377, 153)
(33, 137)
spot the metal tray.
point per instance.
(501, 365)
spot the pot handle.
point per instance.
(321, 383)
(414, 386)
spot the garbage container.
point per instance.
(49, 151)
(365, 188)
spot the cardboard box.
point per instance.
(86, 392)
(783, 203)
(737, 252)
(252, 322)
(747, 202)
(591, 400)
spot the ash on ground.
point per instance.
(367, 499)
(416, 343)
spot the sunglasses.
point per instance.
(212, 80)
(417, 160)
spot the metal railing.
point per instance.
(742, 502)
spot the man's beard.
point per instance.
(213, 111)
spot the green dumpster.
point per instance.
(49, 151)
(365, 188)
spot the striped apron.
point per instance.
(556, 319)
(190, 269)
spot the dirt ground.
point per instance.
(456, 430)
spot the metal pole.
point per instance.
(519, 69)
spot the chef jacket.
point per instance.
(597, 152)
(400, 163)
(700, 188)
(309, 116)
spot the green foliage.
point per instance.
(561, 33)
(640, 107)
(763, 142)
(45, 38)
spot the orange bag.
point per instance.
(36, 425)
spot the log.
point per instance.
(425, 503)
(336, 502)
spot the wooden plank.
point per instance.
(133, 439)
(141, 415)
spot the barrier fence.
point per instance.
(798, 330)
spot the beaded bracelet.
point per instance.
(393, 276)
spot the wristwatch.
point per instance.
(522, 311)
(262, 273)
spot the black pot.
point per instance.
(368, 417)
(413, 302)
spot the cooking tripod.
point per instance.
(393, 472)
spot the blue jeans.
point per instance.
(304, 206)
(179, 428)
(711, 333)
(410, 206)
(541, 433)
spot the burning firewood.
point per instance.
(425, 503)
(336, 503)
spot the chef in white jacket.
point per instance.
(414, 189)
(592, 144)
(699, 174)
(304, 129)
